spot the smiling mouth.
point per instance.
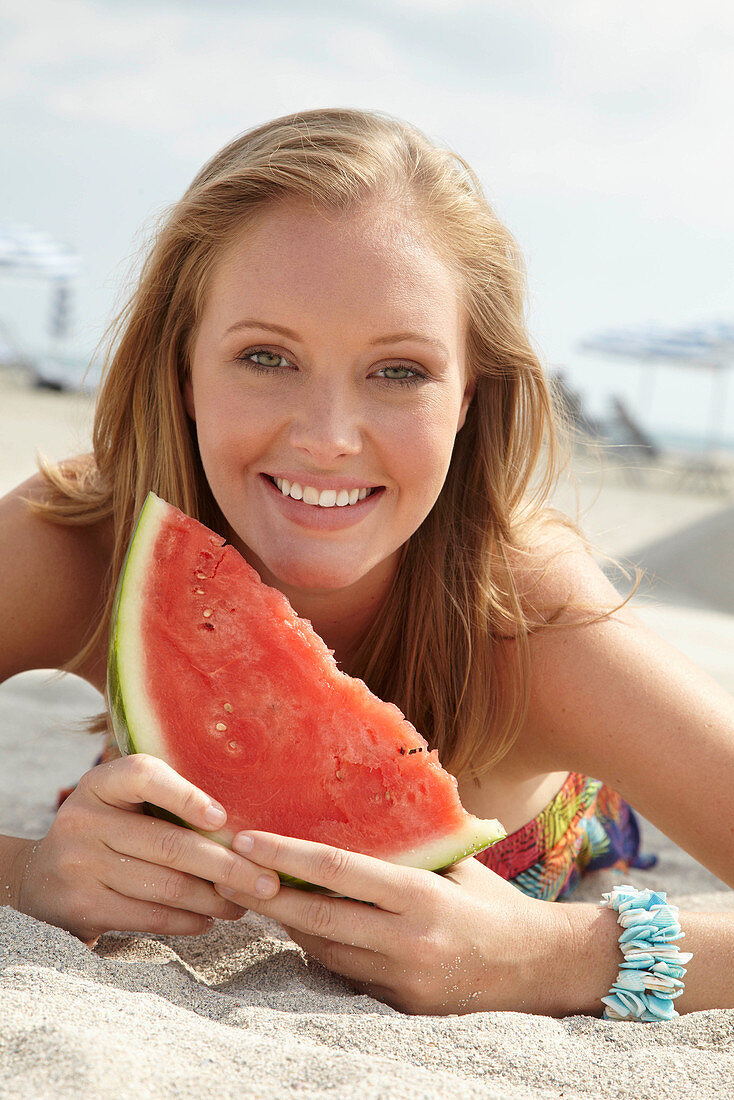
(324, 498)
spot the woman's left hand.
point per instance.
(463, 941)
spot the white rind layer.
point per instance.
(143, 728)
(476, 835)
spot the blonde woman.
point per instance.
(334, 304)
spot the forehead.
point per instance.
(377, 259)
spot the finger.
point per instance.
(355, 963)
(136, 779)
(169, 845)
(122, 914)
(327, 918)
(364, 970)
(391, 887)
(150, 882)
(382, 993)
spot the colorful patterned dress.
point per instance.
(586, 826)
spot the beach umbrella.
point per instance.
(706, 346)
(28, 253)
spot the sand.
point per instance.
(241, 1010)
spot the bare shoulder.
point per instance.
(52, 582)
(610, 699)
(559, 580)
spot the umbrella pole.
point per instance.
(646, 387)
(717, 420)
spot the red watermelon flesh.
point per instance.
(213, 671)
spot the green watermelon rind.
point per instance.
(471, 838)
(427, 858)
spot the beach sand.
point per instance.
(242, 1011)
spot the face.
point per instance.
(328, 361)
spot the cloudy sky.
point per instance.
(602, 133)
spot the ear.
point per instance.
(470, 390)
(188, 396)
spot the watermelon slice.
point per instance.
(212, 671)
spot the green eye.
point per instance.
(271, 359)
(400, 376)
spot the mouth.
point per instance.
(324, 498)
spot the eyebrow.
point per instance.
(393, 338)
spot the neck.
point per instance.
(342, 617)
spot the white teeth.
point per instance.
(326, 498)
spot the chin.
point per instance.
(297, 571)
(314, 577)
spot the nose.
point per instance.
(327, 424)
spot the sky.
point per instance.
(601, 132)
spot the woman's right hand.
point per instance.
(106, 865)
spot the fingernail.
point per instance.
(215, 815)
(225, 891)
(243, 844)
(265, 886)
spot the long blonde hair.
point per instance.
(434, 648)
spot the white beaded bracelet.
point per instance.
(651, 975)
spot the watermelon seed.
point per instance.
(402, 750)
(388, 796)
(228, 707)
(199, 591)
(220, 726)
(208, 626)
(232, 746)
(201, 576)
(338, 775)
(207, 612)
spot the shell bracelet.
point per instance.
(651, 976)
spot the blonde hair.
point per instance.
(435, 647)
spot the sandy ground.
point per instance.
(241, 1010)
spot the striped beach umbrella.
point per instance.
(708, 346)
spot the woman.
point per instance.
(333, 307)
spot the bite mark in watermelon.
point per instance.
(212, 671)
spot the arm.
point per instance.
(614, 701)
(51, 587)
(465, 941)
(50, 579)
(588, 958)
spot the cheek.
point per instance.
(227, 438)
(425, 452)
